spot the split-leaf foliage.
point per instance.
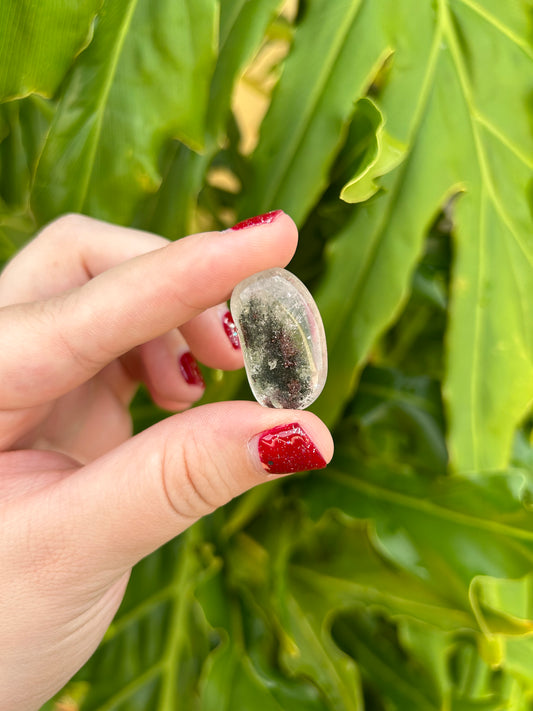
(399, 135)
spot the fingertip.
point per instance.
(230, 329)
(259, 220)
(300, 443)
(212, 337)
(172, 406)
(190, 371)
(276, 228)
(169, 370)
(286, 235)
(318, 432)
(176, 399)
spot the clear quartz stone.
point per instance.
(282, 339)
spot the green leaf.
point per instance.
(398, 419)
(39, 41)
(405, 684)
(144, 78)
(330, 64)
(471, 527)
(242, 30)
(23, 128)
(239, 673)
(383, 155)
(366, 284)
(329, 585)
(461, 138)
(370, 263)
(25, 124)
(490, 357)
(172, 212)
(16, 228)
(322, 569)
(512, 599)
(305, 648)
(468, 540)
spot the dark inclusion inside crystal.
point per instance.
(280, 367)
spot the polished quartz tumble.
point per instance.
(282, 339)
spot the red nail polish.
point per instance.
(190, 370)
(286, 449)
(231, 330)
(265, 219)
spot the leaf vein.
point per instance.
(375, 239)
(106, 90)
(126, 691)
(484, 169)
(286, 158)
(428, 506)
(504, 140)
(488, 17)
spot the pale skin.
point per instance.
(87, 310)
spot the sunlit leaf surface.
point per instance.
(143, 79)
(39, 41)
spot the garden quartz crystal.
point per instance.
(282, 338)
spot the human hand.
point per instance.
(86, 311)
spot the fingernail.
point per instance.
(190, 370)
(231, 330)
(286, 449)
(265, 219)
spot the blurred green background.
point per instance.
(399, 136)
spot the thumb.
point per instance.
(132, 500)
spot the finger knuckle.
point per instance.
(68, 223)
(191, 479)
(68, 308)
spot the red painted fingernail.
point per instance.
(190, 370)
(231, 330)
(265, 219)
(288, 448)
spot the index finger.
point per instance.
(51, 346)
